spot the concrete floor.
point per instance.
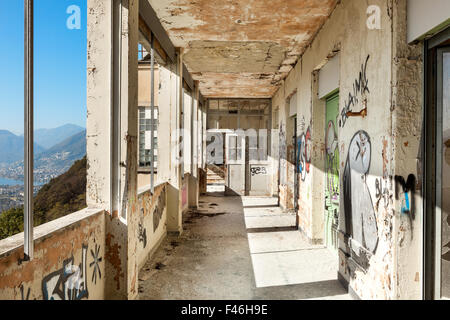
(237, 248)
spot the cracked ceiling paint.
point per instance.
(241, 48)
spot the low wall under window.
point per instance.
(68, 264)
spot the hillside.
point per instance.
(11, 147)
(62, 155)
(48, 138)
(63, 195)
(52, 162)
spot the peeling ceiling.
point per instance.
(241, 48)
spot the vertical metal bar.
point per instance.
(439, 166)
(28, 125)
(116, 110)
(152, 109)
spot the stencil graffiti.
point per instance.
(68, 283)
(360, 219)
(142, 235)
(96, 264)
(258, 171)
(408, 188)
(360, 89)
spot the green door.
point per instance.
(332, 172)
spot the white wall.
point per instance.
(425, 15)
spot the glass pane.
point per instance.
(232, 142)
(60, 65)
(232, 155)
(11, 119)
(445, 271)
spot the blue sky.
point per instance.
(60, 65)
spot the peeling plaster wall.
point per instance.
(407, 106)
(369, 60)
(68, 264)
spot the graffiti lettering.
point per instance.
(258, 171)
(360, 88)
(382, 193)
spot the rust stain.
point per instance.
(112, 255)
(362, 113)
(385, 158)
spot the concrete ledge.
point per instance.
(17, 241)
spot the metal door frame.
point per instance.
(432, 164)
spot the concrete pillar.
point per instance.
(121, 227)
(172, 88)
(99, 103)
(193, 178)
(168, 153)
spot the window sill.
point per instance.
(17, 241)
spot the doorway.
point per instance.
(332, 184)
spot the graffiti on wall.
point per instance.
(142, 235)
(408, 188)
(25, 297)
(69, 282)
(382, 193)
(360, 89)
(256, 171)
(304, 154)
(159, 210)
(360, 219)
(95, 264)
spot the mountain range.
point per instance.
(48, 138)
(48, 163)
(62, 155)
(12, 146)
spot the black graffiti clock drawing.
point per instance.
(360, 216)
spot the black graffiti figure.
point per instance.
(360, 219)
(142, 235)
(408, 186)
